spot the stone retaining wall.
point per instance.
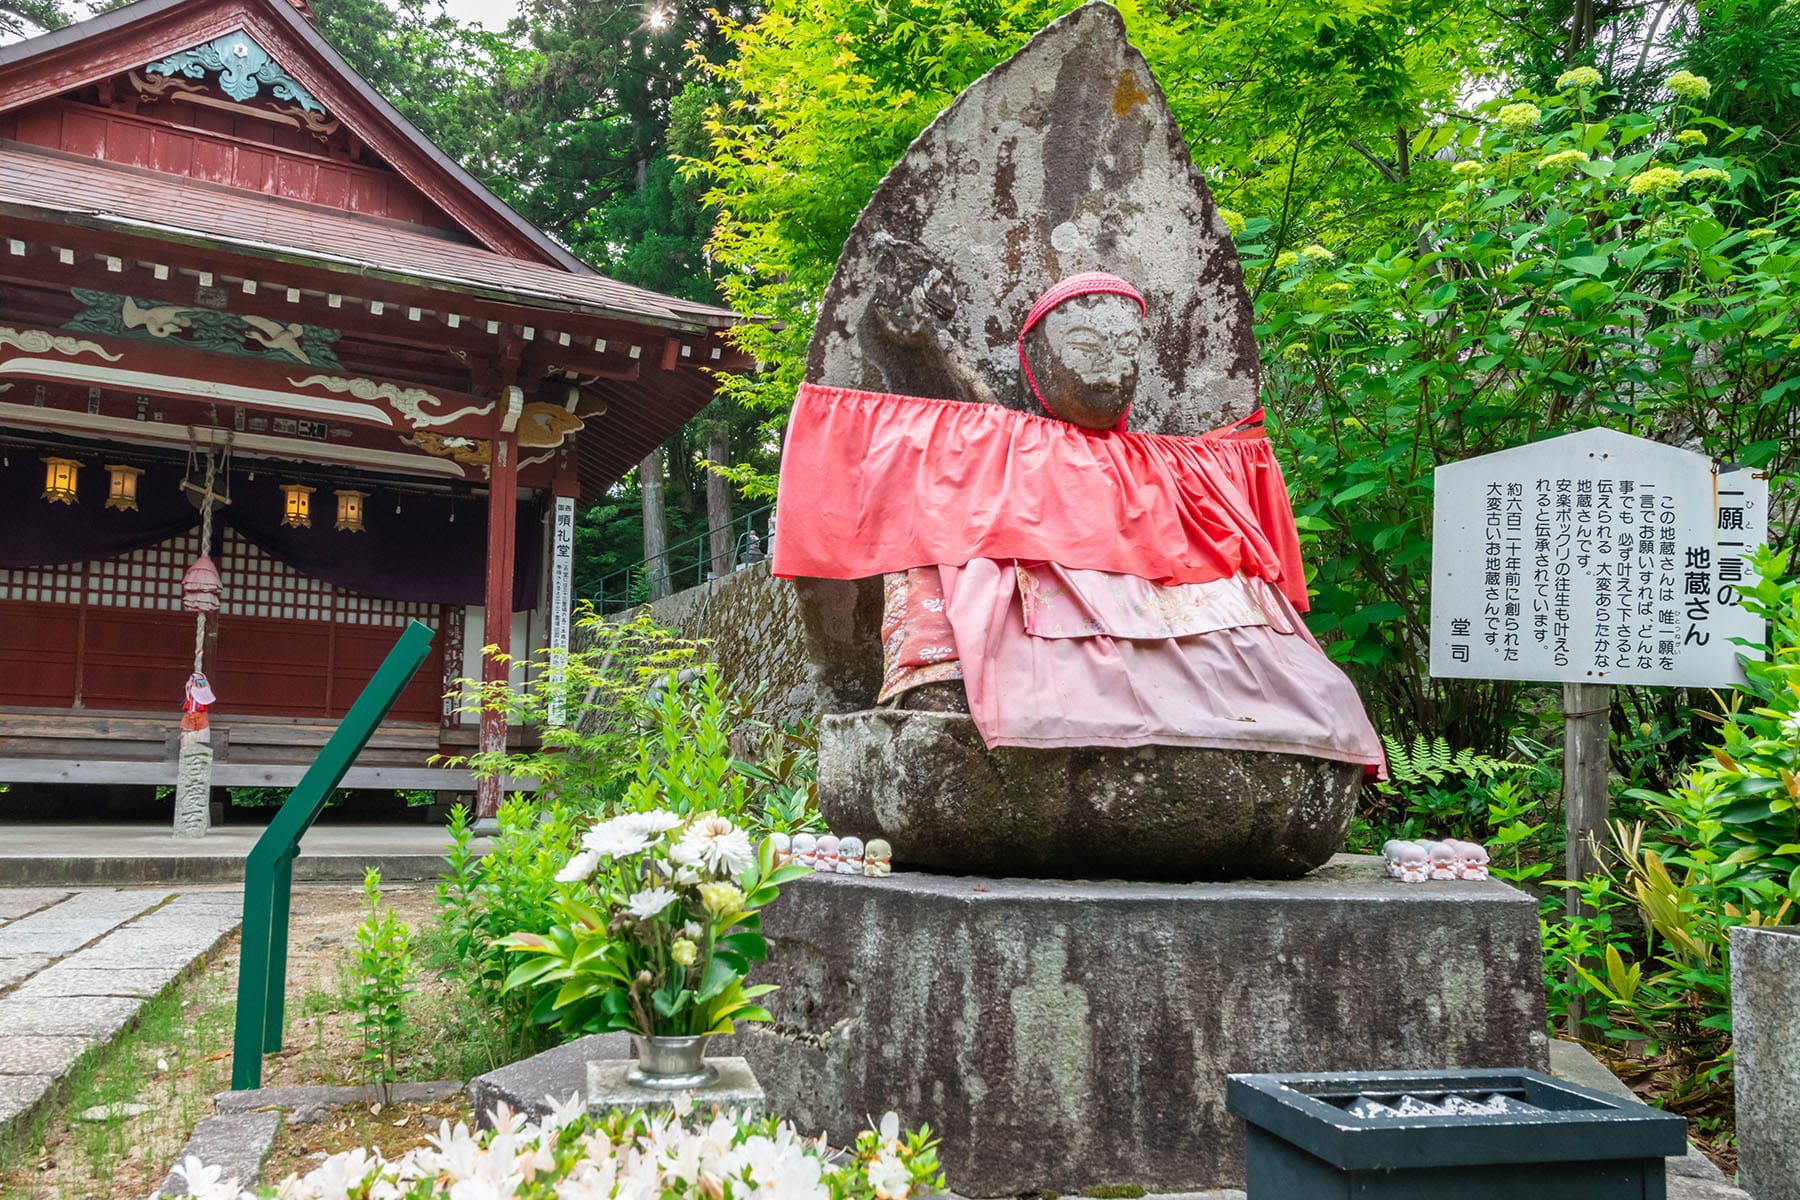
(753, 622)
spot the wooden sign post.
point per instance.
(1592, 560)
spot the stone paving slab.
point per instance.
(53, 938)
(19, 1094)
(12, 970)
(237, 1143)
(41, 1054)
(99, 1017)
(21, 902)
(63, 981)
(81, 966)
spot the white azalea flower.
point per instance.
(717, 844)
(649, 902)
(580, 868)
(890, 1178)
(199, 1177)
(561, 1115)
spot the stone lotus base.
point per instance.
(1069, 1035)
(926, 783)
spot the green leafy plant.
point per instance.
(658, 931)
(384, 978)
(1717, 851)
(483, 898)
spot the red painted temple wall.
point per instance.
(237, 151)
(112, 635)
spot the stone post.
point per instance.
(1765, 978)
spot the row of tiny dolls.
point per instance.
(1416, 862)
(828, 854)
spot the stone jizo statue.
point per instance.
(1057, 646)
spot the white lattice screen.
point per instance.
(148, 579)
(256, 585)
(47, 585)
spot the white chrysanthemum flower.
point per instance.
(616, 838)
(651, 824)
(580, 868)
(649, 902)
(717, 844)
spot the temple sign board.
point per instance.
(1595, 558)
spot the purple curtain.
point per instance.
(37, 533)
(417, 554)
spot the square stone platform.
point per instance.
(1066, 1035)
(735, 1088)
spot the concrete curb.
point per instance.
(181, 869)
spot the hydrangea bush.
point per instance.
(659, 923)
(1586, 266)
(619, 1156)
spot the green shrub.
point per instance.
(1719, 850)
(384, 978)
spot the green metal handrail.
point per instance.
(269, 871)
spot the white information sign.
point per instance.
(562, 599)
(1596, 557)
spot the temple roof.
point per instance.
(48, 184)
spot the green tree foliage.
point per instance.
(28, 18)
(443, 76)
(1592, 275)
(1287, 106)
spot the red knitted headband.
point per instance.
(1087, 283)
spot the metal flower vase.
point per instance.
(670, 1063)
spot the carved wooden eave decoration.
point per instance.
(48, 356)
(1065, 158)
(242, 69)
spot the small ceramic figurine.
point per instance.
(806, 849)
(1411, 864)
(827, 860)
(877, 858)
(1443, 860)
(1390, 855)
(784, 847)
(1471, 860)
(850, 856)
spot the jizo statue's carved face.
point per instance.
(1084, 355)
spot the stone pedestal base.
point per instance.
(927, 783)
(1069, 1035)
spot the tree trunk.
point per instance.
(718, 500)
(656, 525)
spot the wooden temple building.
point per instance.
(219, 246)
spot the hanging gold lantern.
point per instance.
(296, 509)
(59, 479)
(350, 510)
(121, 487)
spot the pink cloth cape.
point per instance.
(1263, 686)
(873, 483)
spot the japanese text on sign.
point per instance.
(1597, 557)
